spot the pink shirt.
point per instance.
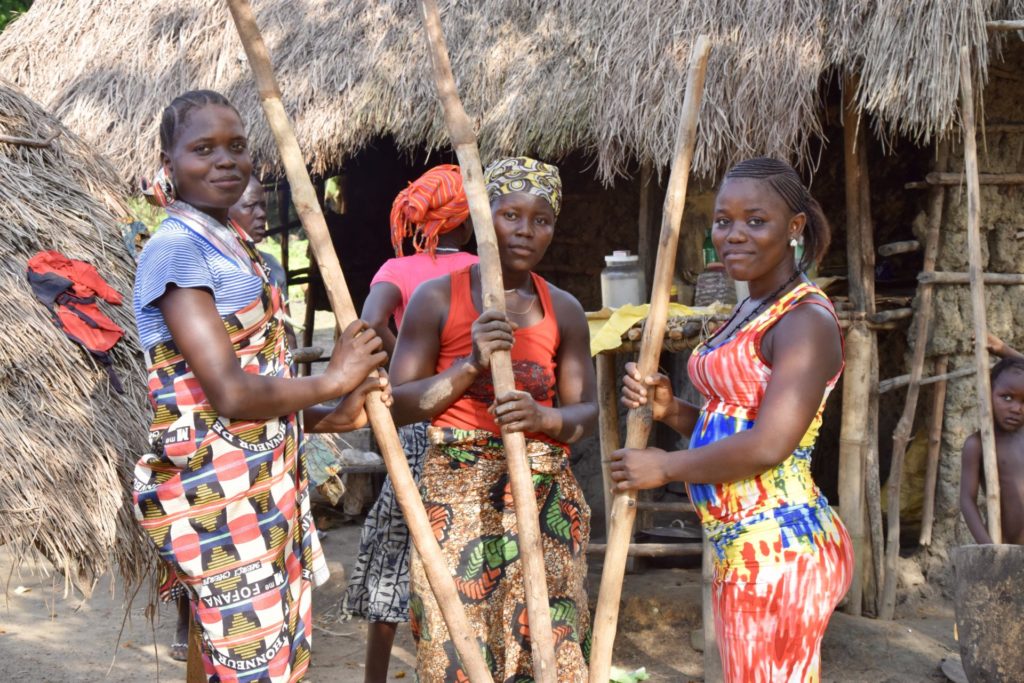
(407, 272)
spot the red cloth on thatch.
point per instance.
(69, 289)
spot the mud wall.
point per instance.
(1002, 223)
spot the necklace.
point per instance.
(533, 300)
(757, 309)
(447, 250)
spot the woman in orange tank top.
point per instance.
(441, 373)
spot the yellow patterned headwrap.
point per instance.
(523, 174)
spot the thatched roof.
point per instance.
(543, 78)
(66, 438)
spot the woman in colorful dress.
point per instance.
(224, 494)
(783, 559)
(433, 212)
(441, 371)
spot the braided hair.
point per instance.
(180, 107)
(787, 184)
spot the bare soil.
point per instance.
(47, 637)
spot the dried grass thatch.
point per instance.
(66, 438)
(605, 78)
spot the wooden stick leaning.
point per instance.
(905, 426)
(308, 209)
(853, 434)
(460, 129)
(638, 424)
(974, 266)
(608, 426)
(931, 475)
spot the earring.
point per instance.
(792, 242)
(159, 191)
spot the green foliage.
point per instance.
(10, 9)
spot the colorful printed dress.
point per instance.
(783, 559)
(466, 493)
(226, 501)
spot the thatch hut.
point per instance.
(597, 87)
(603, 79)
(67, 439)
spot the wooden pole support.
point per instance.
(953, 179)
(460, 129)
(308, 209)
(931, 474)
(852, 446)
(984, 388)
(855, 433)
(638, 425)
(195, 672)
(1007, 25)
(903, 380)
(893, 248)
(37, 143)
(608, 427)
(965, 278)
(712, 658)
(652, 549)
(905, 426)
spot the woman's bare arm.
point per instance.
(970, 482)
(380, 304)
(198, 332)
(806, 354)
(419, 393)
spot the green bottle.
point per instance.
(710, 255)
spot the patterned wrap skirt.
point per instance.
(378, 590)
(466, 492)
(226, 504)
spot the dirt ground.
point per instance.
(49, 638)
(45, 637)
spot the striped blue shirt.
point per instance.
(176, 255)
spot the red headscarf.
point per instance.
(432, 205)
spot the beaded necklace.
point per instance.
(754, 313)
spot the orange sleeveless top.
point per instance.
(533, 358)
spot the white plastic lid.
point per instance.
(621, 257)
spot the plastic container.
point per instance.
(622, 280)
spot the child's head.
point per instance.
(1008, 394)
(204, 151)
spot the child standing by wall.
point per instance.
(1008, 414)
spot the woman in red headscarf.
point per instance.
(434, 212)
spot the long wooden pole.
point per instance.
(855, 434)
(608, 427)
(965, 278)
(873, 496)
(195, 672)
(711, 656)
(853, 445)
(905, 426)
(460, 130)
(974, 268)
(638, 422)
(901, 381)
(931, 474)
(308, 209)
